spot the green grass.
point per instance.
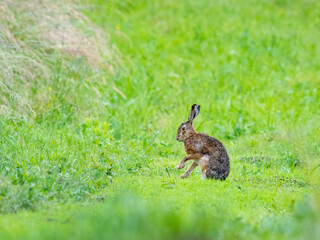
(92, 153)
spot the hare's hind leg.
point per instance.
(189, 171)
(204, 166)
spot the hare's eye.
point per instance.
(183, 128)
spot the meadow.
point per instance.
(92, 94)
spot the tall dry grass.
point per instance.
(34, 35)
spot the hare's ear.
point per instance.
(195, 109)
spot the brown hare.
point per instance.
(206, 151)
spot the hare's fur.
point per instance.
(207, 152)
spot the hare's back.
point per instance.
(212, 145)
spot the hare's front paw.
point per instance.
(185, 176)
(179, 166)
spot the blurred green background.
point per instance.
(91, 96)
